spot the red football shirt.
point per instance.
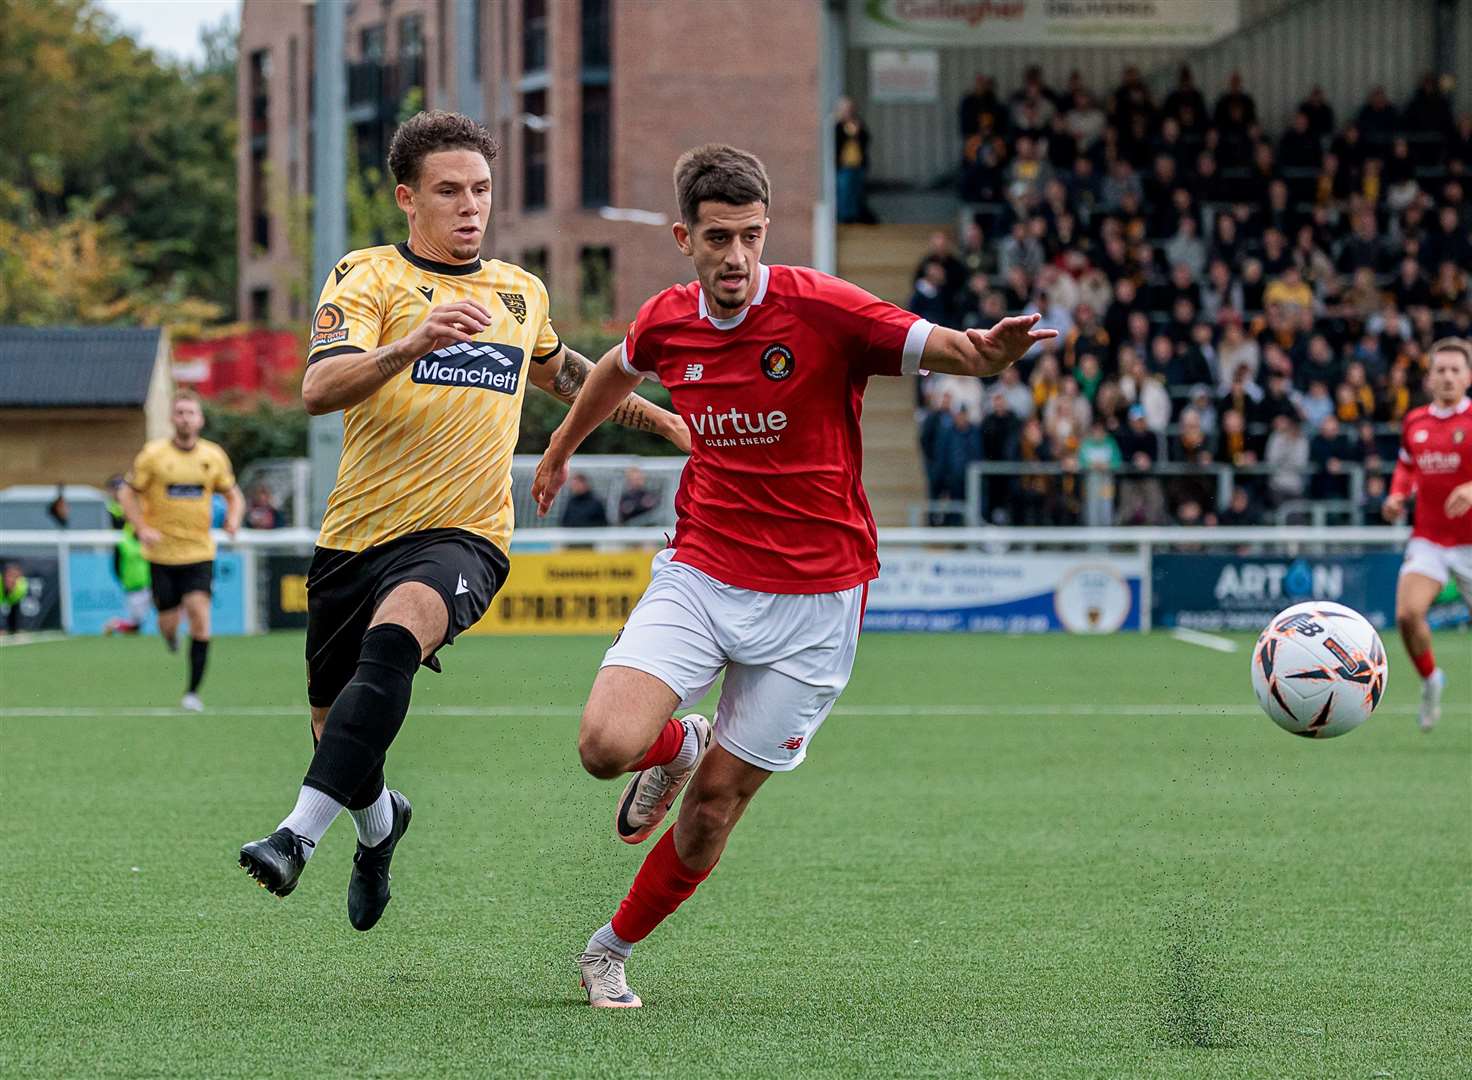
(1436, 456)
(771, 498)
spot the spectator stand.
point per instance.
(1267, 299)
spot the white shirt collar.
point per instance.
(735, 320)
(1436, 410)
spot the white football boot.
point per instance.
(191, 703)
(603, 979)
(652, 792)
(1431, 699)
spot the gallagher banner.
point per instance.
(897, 23)
(1017, 594)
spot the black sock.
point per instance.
(366, 716)
(366, 795)
(199, 652)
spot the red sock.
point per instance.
(671, 738)
(1425, 664)
(662, 884)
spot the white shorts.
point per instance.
(1439, 563)
(787, 656)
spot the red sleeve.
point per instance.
(878, 337)
(1403, 480)
(637, 358)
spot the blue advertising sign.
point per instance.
(97, 597)
(1242, 592)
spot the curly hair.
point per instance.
(429, 132)
(718, 173)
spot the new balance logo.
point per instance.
(488, 366)
(794, 743)
(694, 373)
(460, 587)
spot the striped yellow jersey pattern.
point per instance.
(431, 448)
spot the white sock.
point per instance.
(689, 751)
(314, 811)
(376, 822)
(605, 938)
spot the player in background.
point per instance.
(426, 348)
(167, 498)
(128, 566)
(1435, 465)
(774, 545)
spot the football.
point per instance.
(1319, 669)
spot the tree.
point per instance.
(125, 161)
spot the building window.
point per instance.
(260, 305)
(533, 36)
(411, 52)
(596, 147)
(533, 151)
(260, 93)
(596, 33)
(595, 284)
(372, 44)
(534, 261)
(260, 220)
(477, 37)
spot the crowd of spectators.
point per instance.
(1223, 296)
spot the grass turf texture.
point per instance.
(1095, 874)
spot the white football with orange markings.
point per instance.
(1319, 669)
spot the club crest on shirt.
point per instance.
(1458, 436)
(327, 326)
(1420, 436)
(777, 362)
(516, 304)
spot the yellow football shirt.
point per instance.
(176, 488)
(431, 448)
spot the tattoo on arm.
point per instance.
(633, 413)
(571, 375)
(388, 363)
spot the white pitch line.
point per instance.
(34, 637)
(569, 711)
(1206, 641)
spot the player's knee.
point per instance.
(1408, 620)
(603, 754)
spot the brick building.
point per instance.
(591, 100)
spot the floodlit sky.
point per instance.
(170, 27)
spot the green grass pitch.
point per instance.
(1028, 857)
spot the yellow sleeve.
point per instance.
(140, 476)
(350, 311)
(547, 340)
(226, 479)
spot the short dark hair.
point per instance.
(1453, 344)
(719, 173)
(427, 133)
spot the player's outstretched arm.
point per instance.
(339, 382)
(982, 353)
(566, 375)
(603, 391)
(1459, 501)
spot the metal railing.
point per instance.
(1222, 478)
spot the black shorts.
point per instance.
(344, 588)
(170, 583)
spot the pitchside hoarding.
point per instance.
(1019, 594)
(1242, 592)
(898, 23)
(96, 596)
